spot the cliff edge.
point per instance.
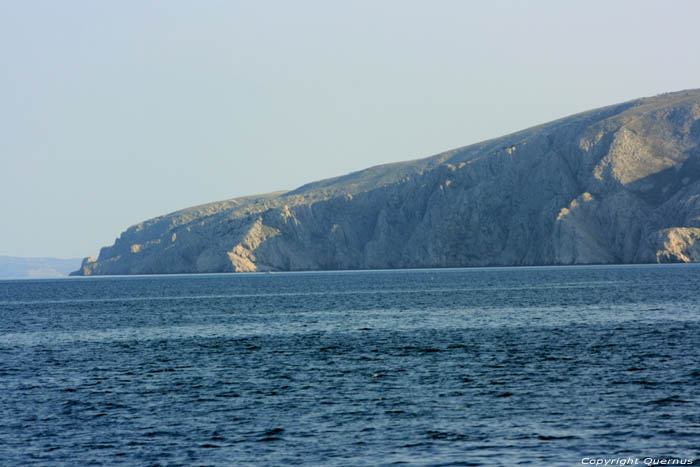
(620, 184)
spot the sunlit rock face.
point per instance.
(619, 184)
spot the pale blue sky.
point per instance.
(115, 112)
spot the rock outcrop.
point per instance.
(620, 184)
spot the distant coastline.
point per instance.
(17, 267)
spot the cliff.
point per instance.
(620, 184)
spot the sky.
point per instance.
(112, 113)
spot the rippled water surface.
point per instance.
(427, 367)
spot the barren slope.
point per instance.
(619, 184)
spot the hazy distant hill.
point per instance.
(620, 184)
(19, 268)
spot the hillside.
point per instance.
(620, 184)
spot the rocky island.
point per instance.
(619, 184)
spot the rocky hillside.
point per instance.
(620, 184)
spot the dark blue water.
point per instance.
(432, 367)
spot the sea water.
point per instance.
(493, 366)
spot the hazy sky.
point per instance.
(115, 112)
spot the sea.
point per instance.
(580, 365)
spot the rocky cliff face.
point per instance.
(619, 184)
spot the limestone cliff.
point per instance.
(619, 184)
